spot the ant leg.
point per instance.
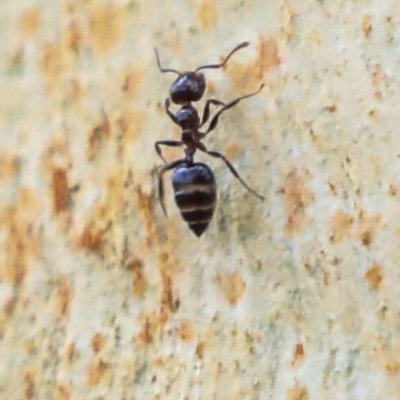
(216, 154)
(206, 112)
(161, 191)
(170, 143)
(238, 47)
(161, 69)
(214, 121)
(167, 103)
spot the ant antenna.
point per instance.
(159, 64)
(210, 66)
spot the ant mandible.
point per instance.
(194, 185)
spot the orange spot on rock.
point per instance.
(366, 238)
(63, 392)
(269, 54)
(130, 124)
(167, 306)
(374, 276)
(392, 190)
(51, 64)
(29, 22)
(200, 350)
(60, 188)
(378, 76)
(288, 16)
(186, 331)
(29, 347)
(297, 197)
(21, 236)
(145, 334)
(298, 355)
(232, 149)
(73, 90)
(297, 393)
(232, 286)
(68, 354)
(149, 327)
(114, 198)
(73, 37)
(95, 372)
(331, 108)
(386, 355)
(206, 15)
(9, 166)
(98, 342)
(367, 25)
(107, 22)
(361, 226)
(139, 281)
(146, 208)
(367, 227)
(64, 296)
(131, 82)
(9, 305)
(341, 226)
(97, 137)
(29, 384)
(244, 77)
(92, 240)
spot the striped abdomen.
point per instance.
(195, 195)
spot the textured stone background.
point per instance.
(293, 298)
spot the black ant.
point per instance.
(194, 183)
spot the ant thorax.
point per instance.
(187, 117)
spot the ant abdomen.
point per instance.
(195, 192)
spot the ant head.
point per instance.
(188, 118)
(191, 85)
(188, 87)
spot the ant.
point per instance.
(194, 184)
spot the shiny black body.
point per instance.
(188, 87)
(194, 184)
(195, 195)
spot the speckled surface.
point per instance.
(292, 298)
